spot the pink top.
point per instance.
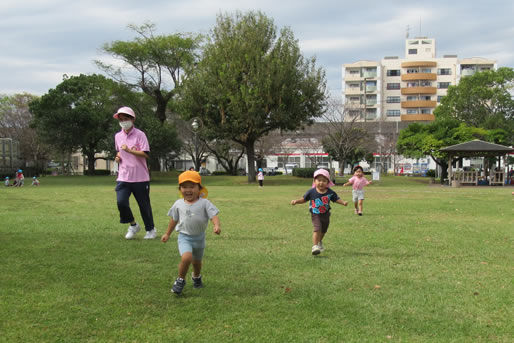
(132, 168)
(358, 183)
(260, 176)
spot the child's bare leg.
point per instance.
(360, 205)
(322, 235)
(197, 268)
(316, 237)
(183, 266)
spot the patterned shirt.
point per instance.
(319, 203)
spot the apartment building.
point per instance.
(404, 89)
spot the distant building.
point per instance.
(407, 89)
(10, 159)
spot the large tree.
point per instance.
(153, 63)
(251, 81)
(345, 141)
(77, 114)
(15, 119)
(482, 100)
(419, 140)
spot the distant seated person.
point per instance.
(35, 181)
(6, 182)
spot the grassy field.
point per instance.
(424, 264)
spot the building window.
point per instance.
(354, 85)
(393, 113)
(443, 85)
(393, 86)
(412, 71)
(393, 99)
(426, 42)
(354, 72)
(413, 42)
(426, 111)
(426, 70)
(412, 84)
(439, 97)
(412, 111)
(354, 113)
(425, 83)
(412, 97)
(413, 51)
(444, 71)
(355, 99)
(426, 97)
(393, 72)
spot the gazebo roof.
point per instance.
(478, 146)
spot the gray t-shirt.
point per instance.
(192, 219)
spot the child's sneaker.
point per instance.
(197, 281)
(132, 230)
(178, 286)
(321, 247)
(151, 234)
(360, 213)
(315, 250)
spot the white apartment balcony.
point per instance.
(467, 72)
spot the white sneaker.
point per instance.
(321, 247)
(151, 234)
(132, 230)
(315, 250)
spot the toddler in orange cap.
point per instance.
(189, 216)
(319, 197)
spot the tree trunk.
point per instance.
(90, 163)
(250, 153)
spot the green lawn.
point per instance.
(424, 264)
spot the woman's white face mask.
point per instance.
(126, 125)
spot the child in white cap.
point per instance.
(319, 197)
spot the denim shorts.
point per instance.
(357, 195)
(192, 244)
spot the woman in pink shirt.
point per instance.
(133, 177)
(358, 181)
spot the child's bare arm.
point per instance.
(342, 202)
(347, 184)
(217, 226)
(171, 227)
(298, 201)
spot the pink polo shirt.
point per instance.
(358, 183)
(132, 168)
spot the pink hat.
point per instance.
(324, 173)
(125, 110)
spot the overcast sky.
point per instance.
(43, 39)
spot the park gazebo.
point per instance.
(477, 148)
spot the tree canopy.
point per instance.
(249, 81)
(155, 63)
(15, 119)
(77, 114)
(482, 100)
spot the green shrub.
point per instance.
(219, 172)
(430, 173)
(304, 172)
(102, 172)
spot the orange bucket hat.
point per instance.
(193, 176)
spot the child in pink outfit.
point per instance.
(358, 181)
